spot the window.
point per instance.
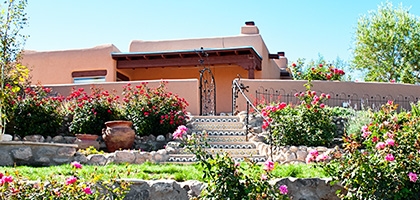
(91, 76)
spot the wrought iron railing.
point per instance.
(240, 88)
(264, 95)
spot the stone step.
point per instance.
(190, 158)
(242, 152)
(226, 132)
(217, 125)
(215, 119)
(228, 139)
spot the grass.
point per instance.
(147, 171)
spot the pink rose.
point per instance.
(390, 142)
(76, 165)
(180, 131)
(389, 157)
(380, 145)
(268, 165)
(412, 176)
(283, 189)
(87, 190)
(71, 180)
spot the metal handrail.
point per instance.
(240, 87)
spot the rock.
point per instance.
(80, 158)
(66, 151)
(69, 139)
(167, 190)
(193, 188)
(58, 139)
(34, 138)
(293, 149)
(6, 137)
(96, 159)
(6, 159)
(142, 157)
(46, 151)
(124, 157)
(160, 138)
(301, 155)
(22, 153)
(160, 156)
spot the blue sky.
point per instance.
(301, 28)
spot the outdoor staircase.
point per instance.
(225, 134)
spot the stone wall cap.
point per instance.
(37, 143)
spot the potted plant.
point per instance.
(90, 112)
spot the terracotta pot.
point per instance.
(86, 140)
(118, 135)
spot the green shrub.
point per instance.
(228, 179)
(308, 123)
(36, 113)
(382, 159)
(153, 110)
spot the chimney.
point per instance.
(249, 28)
(280, 53)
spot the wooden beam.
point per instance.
(193, 61)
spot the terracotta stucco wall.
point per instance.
(223, 74)
(185, 88)
(56, 67)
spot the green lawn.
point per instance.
(147, 171)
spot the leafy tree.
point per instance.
(387, 45)
(13, 74)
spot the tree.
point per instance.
(13, 74)
(387, 45)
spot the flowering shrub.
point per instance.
(91, 111)
(382, 160)
(227, 179)
(35, 112)
(308, 123)
(153, 110)
(16, 187)
(315, 71)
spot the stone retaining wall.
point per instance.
(308, 189)
(35, 154)
(47, 154)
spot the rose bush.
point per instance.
(227, 178)
(90, 111)
(315, 71)
(35, 112)
(15, 187)
(382, 160)
(307, 123)
(153, 110)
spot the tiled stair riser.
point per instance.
(224, 134)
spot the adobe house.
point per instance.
(224, 58)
